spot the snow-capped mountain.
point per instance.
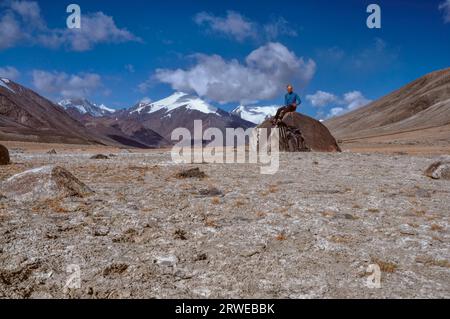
(180, 110)
(173, 102)
(4, 83)
(84, 107)
(255, 114)
(28, 116)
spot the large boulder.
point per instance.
(44, 183)
(4, 155)
(439, 170)
(306, 132)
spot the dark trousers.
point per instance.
(283, 111)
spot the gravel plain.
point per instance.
(309, 231)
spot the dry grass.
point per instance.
(239, 203)
(328, 214)
(215, 201)
(260, 214)
(420, 213)
(281, 237)
(53, 205)
(340, 239)
(273, 189)
(436, 227)
(385, 266)
(433, 262)
(211, 223)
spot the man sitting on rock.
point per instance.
(291, 101)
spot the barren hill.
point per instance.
(415, 113)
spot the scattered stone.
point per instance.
(180, 234)
(114, 269)
(44, 183)
(4, 155)
(201, 257)
(191, 173)
(439, 170)
(349, 217)
(52, 152)
(100, 157)
(210, 192)
(169, 261)
(129, 236)
(101, 231)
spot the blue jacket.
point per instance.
(291, 98)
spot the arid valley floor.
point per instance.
(309, 231)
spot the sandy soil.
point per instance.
(310, 231)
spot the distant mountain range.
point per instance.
(84, 107)
(421, 106)
(27, 116)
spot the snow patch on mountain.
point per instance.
(175, 101)
(86, 107)
(255, 114)
(4, 83)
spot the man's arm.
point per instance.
(298, 100)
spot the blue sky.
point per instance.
(228, 52)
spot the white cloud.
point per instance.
(265, 72)
(66, 85)
(29, 11)
(234, 25)
(240, 28)
(21, 22)
(321, 98)
(336, 111)
(9, 72)
(348, 102)
(354, 100)
(10, 32)
(445, 6)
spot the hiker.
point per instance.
(291, 102)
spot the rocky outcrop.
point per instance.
(299, 132)
(100, 157)
(439, 170)
(4, 155)
(44, 183)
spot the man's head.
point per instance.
(290, 88)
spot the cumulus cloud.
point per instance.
(321, 98)
(233, 24)
(240, 28)
(21, 22)
(445, 7)
(10, 31)
(348, 102)
(66, 85)
(9, 72)
(265, 71)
